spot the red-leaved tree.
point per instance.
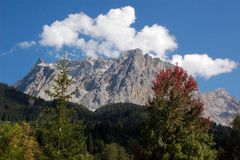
(176, 129)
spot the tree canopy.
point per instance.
(176, 129)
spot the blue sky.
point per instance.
(200, 27)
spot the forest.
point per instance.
(170, 127)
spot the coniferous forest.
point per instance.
(169, 127)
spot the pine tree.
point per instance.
(175, 128)
(60, 136)
(235, 138)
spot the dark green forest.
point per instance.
(117, 125)
(32, 128)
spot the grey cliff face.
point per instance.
(220, 107)
(126, 79)
(100, 81)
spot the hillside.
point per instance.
(16, 106)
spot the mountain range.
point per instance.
(127, 79)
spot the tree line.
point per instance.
(169, 127)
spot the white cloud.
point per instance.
(112, 33)
(204, 66)
(107, 34)
(26, 44)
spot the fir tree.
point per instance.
(235, 138)
(175, 128)
(60, 136)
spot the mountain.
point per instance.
(220, 107)
(100, 81)
(127, 79)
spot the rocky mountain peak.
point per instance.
(221, 91)
(134, 52)
(125, 79)
(220, 106)
(100, 81)
(90, 59)
(39, 61)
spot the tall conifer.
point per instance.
(62, 138)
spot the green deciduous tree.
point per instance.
(17, 142)
(175, 128)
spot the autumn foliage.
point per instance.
(176, 86)
(176, 129)
(177, 78)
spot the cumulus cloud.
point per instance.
(112, 33)
(107, 34)
(26, 44)
(202, 65)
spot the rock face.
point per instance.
(220, 107)
(126, 79)
(100, 81)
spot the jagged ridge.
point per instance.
(100, 81)
(126, 79)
